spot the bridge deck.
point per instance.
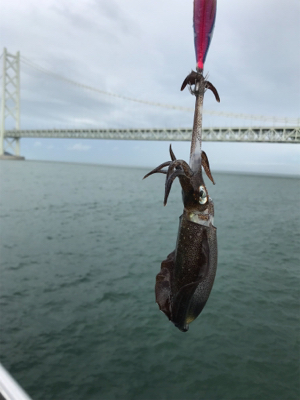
(252, 134)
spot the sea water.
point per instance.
(80, 246)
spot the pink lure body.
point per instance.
(204, 21)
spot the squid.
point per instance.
(186, 277)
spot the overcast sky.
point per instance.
(144, 49)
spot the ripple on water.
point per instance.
(78, 303)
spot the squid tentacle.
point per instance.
(184, 166)
(157, 169)
(195, 77)
(205, 165)
(173, 158)
(190, 80)
(210, 86)
(169, 180)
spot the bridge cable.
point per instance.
(155, 104)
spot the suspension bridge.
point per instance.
(287, 132)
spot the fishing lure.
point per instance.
(187, 275)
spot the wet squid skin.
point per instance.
(187, 275)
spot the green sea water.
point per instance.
(80, 246)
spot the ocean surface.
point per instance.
(80, 246)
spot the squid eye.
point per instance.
(202, 195)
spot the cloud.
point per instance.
(37, 144)
(144, 50)
(79, 147)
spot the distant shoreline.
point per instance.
(224, 172)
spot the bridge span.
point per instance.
(252, 134)
(10, 107)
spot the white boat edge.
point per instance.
(9, 388)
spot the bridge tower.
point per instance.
(10, 102)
